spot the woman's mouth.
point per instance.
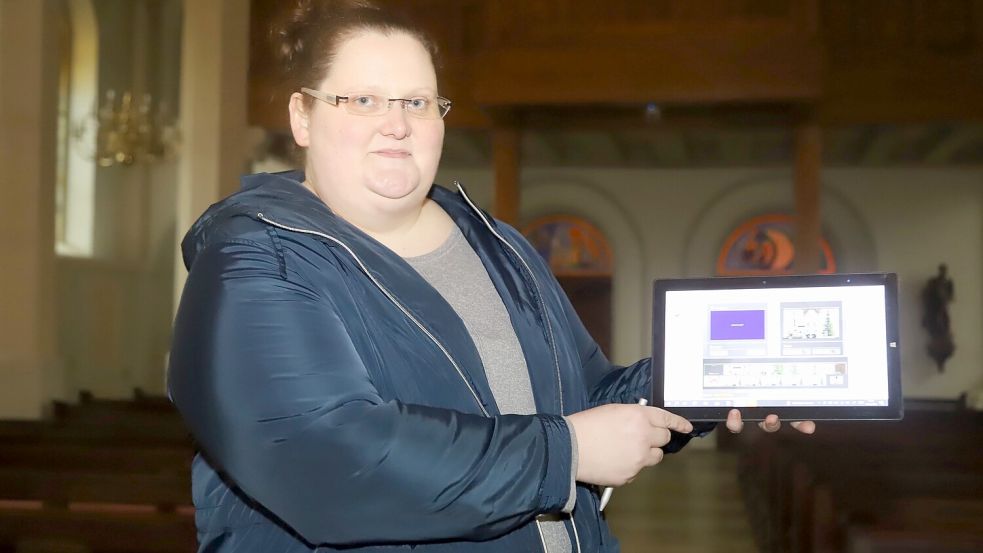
(392, 153)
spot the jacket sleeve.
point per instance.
(607, 382)
(610, 383)
(267, 378)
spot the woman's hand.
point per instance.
(770, 424)
(615, 442)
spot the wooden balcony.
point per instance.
(855, 62)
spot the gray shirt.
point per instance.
(456, 272)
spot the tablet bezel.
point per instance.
(893, 411)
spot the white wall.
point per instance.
(920, 219)
(903, 220)
(30, 370)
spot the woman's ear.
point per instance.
(299, 120)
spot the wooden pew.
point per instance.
(881, 540)
(898, 501)
(164, 492)
(101, 532)
(920, 524)
(162, 434)
(102, 476)
(813, 493)
(149, 421)
(96, 457)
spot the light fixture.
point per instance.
(126, 132)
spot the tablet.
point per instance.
(810, 347)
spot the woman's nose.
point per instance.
(396, 122)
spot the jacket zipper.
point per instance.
(539, 292)
(389, 295)
(549, 327)
(542, 538)
(573, 525)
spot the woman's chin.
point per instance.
(394, 186)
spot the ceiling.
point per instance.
(657, 147)
(664, 147)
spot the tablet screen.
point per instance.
(776, 346)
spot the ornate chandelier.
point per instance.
(126, 132)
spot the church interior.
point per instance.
(629, 140)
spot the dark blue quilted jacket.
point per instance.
(340, 404)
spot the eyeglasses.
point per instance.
(423, 107)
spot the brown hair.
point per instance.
(307, 39)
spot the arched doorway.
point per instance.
(581, 258)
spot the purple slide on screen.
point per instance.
(737, 325)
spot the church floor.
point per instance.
(689, 503)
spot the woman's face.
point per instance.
(367, 166)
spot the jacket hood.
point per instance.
(282, 197)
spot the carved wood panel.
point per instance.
(859, 60)
(902, 60)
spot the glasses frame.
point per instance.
(443, 104)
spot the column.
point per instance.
(506, 141)
(29, 63)
(808, 187)
(214, 85)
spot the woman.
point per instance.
(369, 361)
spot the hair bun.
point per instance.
(307, 35)
(292, 35)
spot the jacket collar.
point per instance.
(284, 200)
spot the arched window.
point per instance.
(76, 171)
(571, 245)
(763, 245)
(580, 257)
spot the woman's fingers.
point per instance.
(734, 422)
(654, 457)
(806, 427)
(771, 423)
(616, 441)
(664, 419)
(661, 437)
